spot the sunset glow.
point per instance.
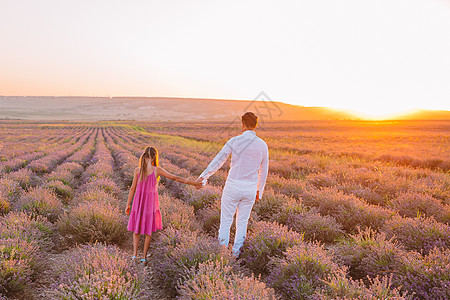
(373, 112)
(376, 59)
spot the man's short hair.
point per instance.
(250, 120)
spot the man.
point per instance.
(245, 182)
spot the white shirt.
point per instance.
(249, 161)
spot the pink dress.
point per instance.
(145, 216)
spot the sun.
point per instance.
(378, 112)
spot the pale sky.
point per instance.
(377, 57)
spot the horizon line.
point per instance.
(219, 99)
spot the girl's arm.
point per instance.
(161, 172)
(132, 190)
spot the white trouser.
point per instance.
(242, 198)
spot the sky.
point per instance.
(371, 57)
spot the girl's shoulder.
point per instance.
(136, 170)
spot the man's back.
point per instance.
(247, 154)
(249, 161)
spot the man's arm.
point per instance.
(217, 161)
(262, 174)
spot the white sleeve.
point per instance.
(218, 160)
(263, 171)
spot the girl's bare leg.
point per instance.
(148, 238)
(135, 243)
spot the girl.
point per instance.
(145, 216)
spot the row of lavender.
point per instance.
(33, 172)
(20, 149)
(31, 205)
(74, 201)
(179, 243)
(374, 241)
(95, 220)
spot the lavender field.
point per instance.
(351, 210)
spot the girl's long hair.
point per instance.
(151, 154)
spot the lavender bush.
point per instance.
(176, 188)
(189, 163)
(343, 288)
(302, 270)
(19, 260)
(320, 180)
(444, 216)
(4, 204)
(289, 187)
(96, 271)
(219, 178)
(348, 210)
(413, 204)
(368, 253)
(24, 177)
(209, 217)
(11, 165)
(67, 172)
(10, 189)
(105, 183)
(216, 280)
(41, 201)
(28, 228)
(84, 154)
(419, 234)
(38, 167)
(180, 251)
(362, 192)
(427, 278)
(313, 225)
(63, 191)
(93, 221)
(271, 203)
(96, 194)
(72, 166)
(177, 214)
(201, 198)
(264, 241)
(63, 175)
(101, 169)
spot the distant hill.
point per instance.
(422, 114)
(166, 109)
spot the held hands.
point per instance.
(127, 210)
(198, 183)
(203, 180)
